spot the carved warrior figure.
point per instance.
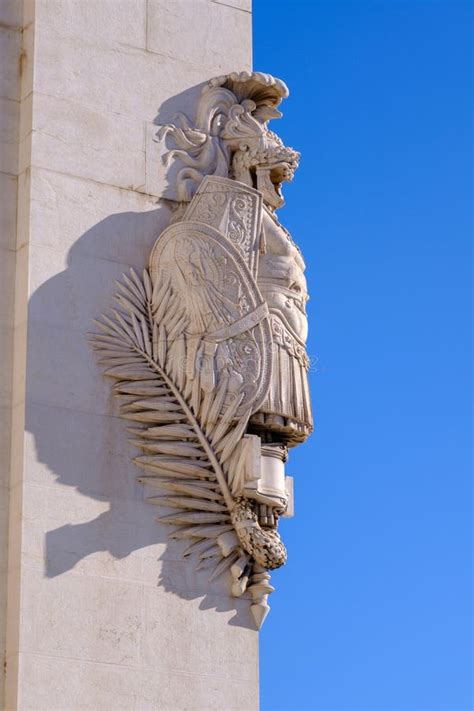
(208, 348)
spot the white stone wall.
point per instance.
(12, 66)
(101, 613)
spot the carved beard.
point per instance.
(269, 185)
(265, 170)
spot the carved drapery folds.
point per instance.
(207, 347)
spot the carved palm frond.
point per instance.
(187, 432)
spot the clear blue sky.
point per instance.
(373, 610)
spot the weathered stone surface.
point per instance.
(93, 591)
(10, 268)
(77, 140)
(245, 5)
(104, 618)
(10, 48)
(119, 24)
(119, 225)
(8, 188)
(9, 126)
(140, 94)
(78, 684)
(204, 42)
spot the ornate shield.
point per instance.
(222, 328)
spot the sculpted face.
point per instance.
(230, 138)
(263, 162)
(277, 166)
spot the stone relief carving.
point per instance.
(207, 346)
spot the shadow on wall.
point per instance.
(68, 398)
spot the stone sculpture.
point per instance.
(207, 348)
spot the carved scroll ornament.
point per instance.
(207, 347)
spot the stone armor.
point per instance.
(208, 350)
(285, 415)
